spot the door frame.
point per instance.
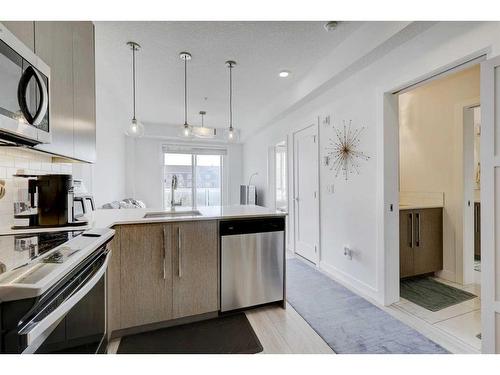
(468, 211)
(388, 174)
(271, 183)
(317, 206)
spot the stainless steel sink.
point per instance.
(167, 214)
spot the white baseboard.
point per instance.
(355, 285)
(447, 275)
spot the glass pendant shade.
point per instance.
(186, 131)
(232, 135)
(202, 131)
(134, 129)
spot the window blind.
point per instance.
(194, 150)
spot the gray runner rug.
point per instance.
(347, 322)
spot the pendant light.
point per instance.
(186, 129)
(135, 128)
(231, 133)
(202, 131)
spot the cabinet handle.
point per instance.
(164, 253)
(417, 240)
(410, 227)
(179, 251)
(476, 218)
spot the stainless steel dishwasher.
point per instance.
(252, 262)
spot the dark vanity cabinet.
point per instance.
(420, 241)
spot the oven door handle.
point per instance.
(37, 333)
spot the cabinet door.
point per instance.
(54, 45)
(23, 30)
(146, 274)
(405, 243)
(195, 267)
(428, 249)
(84, 91)
(113, 283)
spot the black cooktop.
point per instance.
(19, 249)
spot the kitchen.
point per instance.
(233, 187)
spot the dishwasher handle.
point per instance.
(246, 226)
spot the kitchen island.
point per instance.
(165, 267)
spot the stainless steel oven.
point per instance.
(24, 93)
(68, 318)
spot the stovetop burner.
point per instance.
(19, 249)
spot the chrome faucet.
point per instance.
(173, 187)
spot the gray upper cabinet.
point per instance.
(23, 30)
(68, 48)
(54, 45)
(84, 91)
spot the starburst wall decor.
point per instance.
(343, 156)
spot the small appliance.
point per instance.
(48, 202)
(24, 93)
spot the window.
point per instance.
(199, 176)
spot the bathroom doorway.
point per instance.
(437, 196)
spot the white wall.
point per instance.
(145, 170)
(106, 178)
(431, 152)
(354, 213)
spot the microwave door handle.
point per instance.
(37, 333)
(44, 100)
(22, 89)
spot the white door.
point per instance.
(306, 199)
(490, 205)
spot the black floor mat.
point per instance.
(231, 334)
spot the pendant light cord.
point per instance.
(133, 76)
(230, 96)
(185, 92)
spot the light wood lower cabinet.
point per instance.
(160, 272)
(113, 283)
(145, 274)
(195, 280)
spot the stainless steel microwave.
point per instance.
(24, 93)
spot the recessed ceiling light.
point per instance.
(331, 25)
(284, 73)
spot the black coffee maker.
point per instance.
(50, 202)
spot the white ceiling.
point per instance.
(261, 50)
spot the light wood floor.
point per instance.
(280, 331)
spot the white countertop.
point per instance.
(419, 206)
(102, 218)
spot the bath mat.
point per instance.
(431, 294)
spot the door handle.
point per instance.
(417, 239)
(410, 226)
(179, 252)
(476, 218)
(164, 253)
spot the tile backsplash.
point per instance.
(14, 161)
